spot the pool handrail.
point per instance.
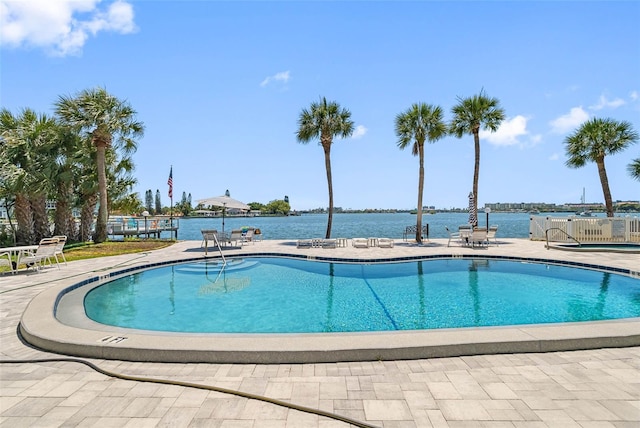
(546, 234)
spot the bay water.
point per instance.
(363, 225)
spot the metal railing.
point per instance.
(151, 225)
(546, 232)
(590, 229)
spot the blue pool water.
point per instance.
(280, 295)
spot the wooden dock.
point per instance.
(149, 227)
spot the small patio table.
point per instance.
(17, 252)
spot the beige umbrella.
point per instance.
(225, 202)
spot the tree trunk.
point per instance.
(420, 191)
(64, 224)
(327, 164)
(100, 234)
(476, 169)
(86, 217)
(608, 200)
(40, 217)
(24, 220)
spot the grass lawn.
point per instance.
(81, 251)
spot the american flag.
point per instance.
(170, 182)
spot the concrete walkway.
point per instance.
(594, 388)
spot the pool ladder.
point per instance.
(546, 234)
(224, 261)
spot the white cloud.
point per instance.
(604, 102)
(508, 132)
(359, 131)
(633, 95)
(569, 121)
(554, 157)
(282, 76)
(61, 27)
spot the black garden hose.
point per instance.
(197, 386)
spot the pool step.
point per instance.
(214, 267)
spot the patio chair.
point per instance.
(37, 259)
(408, 232)
(478, 237)
(236, 236)
(208, 235)
(465, 234)
(453, 236)
(59, 251)
(248, 236)
(360, 242)
(491, 235)
(385, 242)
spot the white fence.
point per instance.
(585, 229)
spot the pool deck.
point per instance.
(597, 387)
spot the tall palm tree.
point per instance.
(110, 124)
(421, 122)
(325, 120)
(634, 169)
(469, 116)
(595, 139)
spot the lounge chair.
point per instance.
(453, 236)
(305, 243)
(45, 252)
(59, 251)
(5, 260)
(491, 235)
(360, 242)
(329, 243)
(385, 242)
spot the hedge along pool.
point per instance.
(283, 295)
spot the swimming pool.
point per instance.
(283, 295)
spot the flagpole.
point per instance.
(170, 183)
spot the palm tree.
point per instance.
(595, 139)
(325, 120)
(27, 158)
(469, 116)
(634, 169)
(110, 124)
(419, 123)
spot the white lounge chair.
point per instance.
(453, 236)
(59, 251)
(360, 242)
(305, 243)
(45, 252)
(385, 242)
(5, 260)
(329, 243)
(491, 235)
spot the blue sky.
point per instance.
(220, 85)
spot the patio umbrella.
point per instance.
(473, 213)
(225, 202)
